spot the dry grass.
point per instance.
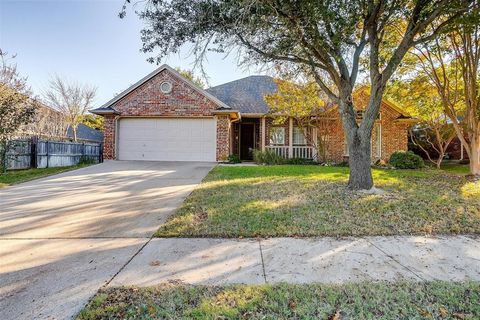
(434, 300)
(272, 201)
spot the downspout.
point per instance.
(115, 150)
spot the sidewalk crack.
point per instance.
(129, 260)
(395, 260)
(263, 263)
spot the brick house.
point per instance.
(166, 117)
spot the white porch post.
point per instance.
(262, 134)
(290, 137)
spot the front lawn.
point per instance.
(273, 201)
(455, 167)
(18, 176)
(434, 300)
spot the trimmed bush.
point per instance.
(406, 160)
(268, 157)
(300, 161)
(234, 158)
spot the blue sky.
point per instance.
(85, 41)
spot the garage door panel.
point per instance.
(167, 139)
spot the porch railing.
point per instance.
(279, 150)
(303, 152)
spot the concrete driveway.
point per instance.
(64, 236)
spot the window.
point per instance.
(277, 136)
(298, 137)
(166, 87)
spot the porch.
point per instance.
(286, 139)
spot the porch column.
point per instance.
(262, 133)
(290, 137)
(314, 143)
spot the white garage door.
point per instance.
(167, 139)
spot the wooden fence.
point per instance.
(35, 153)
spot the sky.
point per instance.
(86, 42)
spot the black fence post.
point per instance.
(83, 157)
(33, 152)
(100, 153)
(46, 148)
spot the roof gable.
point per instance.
(108, 107)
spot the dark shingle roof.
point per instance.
(245, 95)
(86, 133)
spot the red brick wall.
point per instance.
(183, 101)
(394, 135)
(223, 137)
(109, 137)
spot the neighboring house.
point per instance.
(166, 117)
(85, 134)
(50, 124)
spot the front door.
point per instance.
(247, 140)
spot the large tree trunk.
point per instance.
(475, 156)
(358, 139)
(360, 162)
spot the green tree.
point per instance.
(420, 99)
(17, 108)
(189, 75)
(93, 121)
(305, 103)
(325, 39)
(451, 64)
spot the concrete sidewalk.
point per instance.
(325, 260)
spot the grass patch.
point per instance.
(455, 167)
(270, 201)
(19, 176)
(405, 300)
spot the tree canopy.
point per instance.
(326, 39)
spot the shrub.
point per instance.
(464, 161)
(234, 158)
(406, 160)
(268, 157)
(300, 161)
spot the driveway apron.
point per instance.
(64, 236)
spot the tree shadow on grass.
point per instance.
(319, 204)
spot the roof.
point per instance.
(86, 133)
(108, 107)
(246, 95)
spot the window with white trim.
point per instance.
(298, 137)
(277, 136)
